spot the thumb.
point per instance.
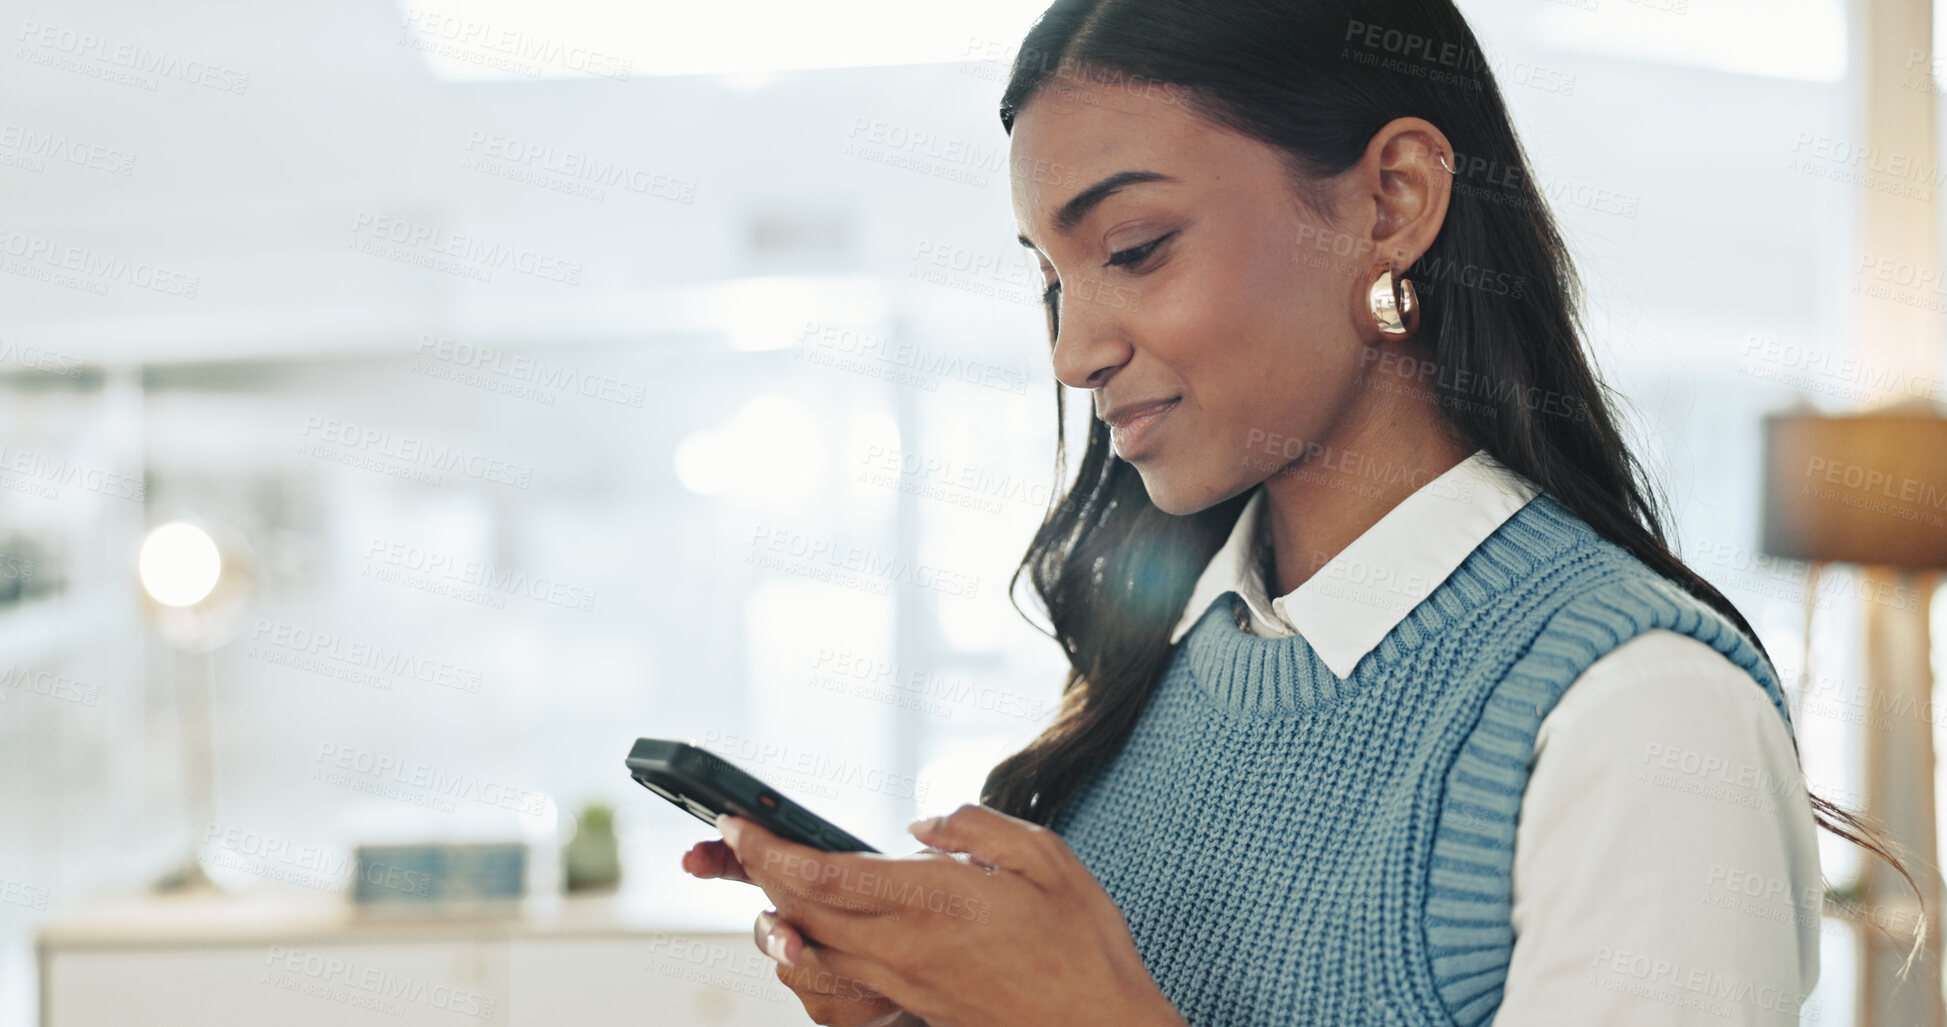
(996, 839)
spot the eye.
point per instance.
(1131, 257)
(1048, 294)
(1137, 254)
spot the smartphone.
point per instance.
(709, 786)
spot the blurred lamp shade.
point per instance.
(1868, 488)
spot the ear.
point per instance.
(1407, 188)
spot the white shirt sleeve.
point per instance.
(1666, 863)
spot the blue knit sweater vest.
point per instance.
(1290, 847)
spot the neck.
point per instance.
(1317, 505)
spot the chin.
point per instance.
(1174, 495)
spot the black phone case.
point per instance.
(709, 786)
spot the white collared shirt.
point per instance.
(1643, 892)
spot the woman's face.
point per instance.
(1207, 296)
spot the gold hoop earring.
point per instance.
(1395, 311)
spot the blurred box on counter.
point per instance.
(439, 876)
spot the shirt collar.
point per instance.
(1358, 596)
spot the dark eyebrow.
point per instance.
(1072, 212)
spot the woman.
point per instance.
(1388, 702)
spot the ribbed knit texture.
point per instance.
(1293, 848)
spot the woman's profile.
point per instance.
(1388, 702)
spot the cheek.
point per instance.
(1274, 396)
(1263, 349)
(1309, 312)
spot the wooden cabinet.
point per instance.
(183, 963)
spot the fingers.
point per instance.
(854, 969)
(996, 839)
(777, 938)
(828, 996)
(814, 887)
(780, 867)
(710, 859)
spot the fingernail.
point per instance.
(774, 944)
(922, 826)
(731, 827)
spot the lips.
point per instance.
(1133, 432)
(1121, 416)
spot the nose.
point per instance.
(1089, 347)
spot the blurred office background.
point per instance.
(673, 371)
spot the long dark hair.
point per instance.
(1316, 80)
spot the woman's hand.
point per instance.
(713, 859)
(828, 998)
(1014, 931)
